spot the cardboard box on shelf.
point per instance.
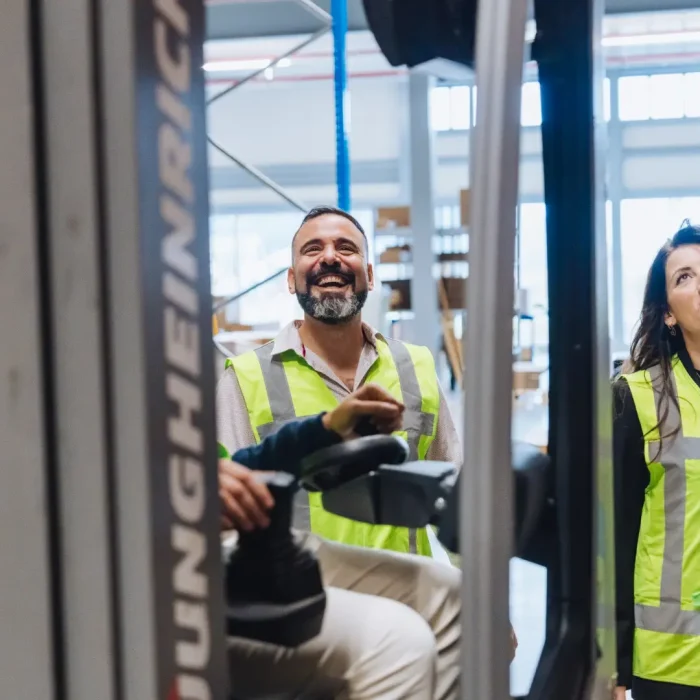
(400, 217)
(400, 299)
(456, 290)
(464, 207)
(396, 254)
(525, 381)
(526, 376)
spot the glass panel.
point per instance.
(531, 112)
(667, 96)
(606, 99)
(460, 107)
(440, 109)
(635, 98)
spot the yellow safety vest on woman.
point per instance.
(667, 569)
(283, 387)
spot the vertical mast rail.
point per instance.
(487, 489)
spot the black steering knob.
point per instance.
(364, 427)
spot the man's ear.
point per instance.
(370, 277)
(291, 284)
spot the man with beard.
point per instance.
(309, 369)
(313, 364)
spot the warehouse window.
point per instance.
(450, 108)
(531, 105)
(660, 96)
(533, 267)
(532, 273)
(460, 107)
(645, 224)
(635, 102)
(531, 108)
(440, 109)
(692, 95)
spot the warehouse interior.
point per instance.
(409, 146)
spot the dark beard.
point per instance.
(331, 309)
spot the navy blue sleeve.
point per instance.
(283, 451)
(631, 478)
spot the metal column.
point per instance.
(486, 498)
(156, 252)
(28, 668)
(579, 656)
(424, 299)
(77, 352)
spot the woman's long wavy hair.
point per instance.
(653, 343)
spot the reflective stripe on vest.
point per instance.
(418, 423)
(281, 389)
(667, 570)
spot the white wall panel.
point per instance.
(452, 144)
(294, 122)
(661, 172)
(370, 195)
(661, 135)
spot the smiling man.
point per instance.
(315, 363)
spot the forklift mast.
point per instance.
(111, 577)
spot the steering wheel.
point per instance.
(333, 466)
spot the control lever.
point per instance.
(333, 466)
(364, 427)
(274, 590)
(411, 495)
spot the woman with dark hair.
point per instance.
(657, 483)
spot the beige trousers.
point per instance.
(391, 632)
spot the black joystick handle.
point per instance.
(274, 590)
(365, 427)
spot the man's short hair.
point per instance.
(323, 211)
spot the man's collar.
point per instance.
(289, 339)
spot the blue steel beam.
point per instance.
(339, 12)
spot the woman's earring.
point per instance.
(672, 329)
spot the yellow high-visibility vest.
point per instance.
(284, 387)
(667, 569)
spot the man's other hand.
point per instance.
(369, 401)
(245, 501)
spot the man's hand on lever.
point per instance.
(370, 402)
(245, 500)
